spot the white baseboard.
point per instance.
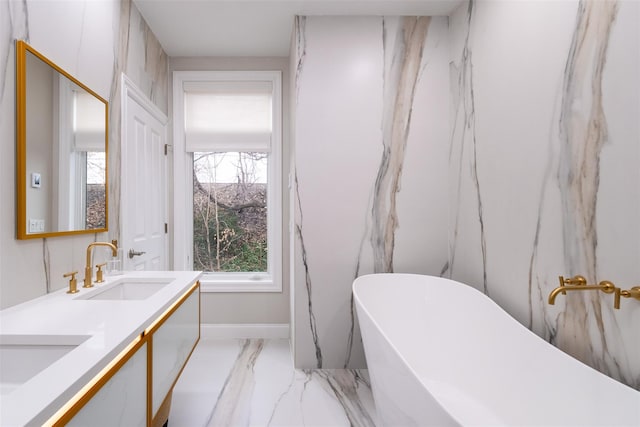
(242, 330)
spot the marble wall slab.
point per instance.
(541, 178)
(95, 42)
(371, 131)
(543, 169)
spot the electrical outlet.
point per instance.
(41, 225)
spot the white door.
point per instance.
(143, 185)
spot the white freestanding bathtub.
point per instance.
(441, 353)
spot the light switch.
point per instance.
(36, 225)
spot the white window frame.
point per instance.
(271, 281)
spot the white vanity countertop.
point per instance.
(110, 324)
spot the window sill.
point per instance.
(240, 284)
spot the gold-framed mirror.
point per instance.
(61, 151)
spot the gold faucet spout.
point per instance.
(604, 286)
(88, 270)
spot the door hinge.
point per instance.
(166, 228)
(166, 150)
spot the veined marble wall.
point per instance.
(370, 166)
(541, 175)
(95, 41)
(544, 175)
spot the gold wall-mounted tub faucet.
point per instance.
(579, 283)
(88, 271)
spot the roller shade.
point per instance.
(228, 116)
(88, 123)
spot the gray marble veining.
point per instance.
(359, 83)
(14, 17)
(300, 48)
(307, 275)
(402, 65)
(233, 405)
(253, 382)
(46, 261)
(403, 45)
(120, 50)
(552, 150)
(464, 138)
(344, 385)
(582, 133)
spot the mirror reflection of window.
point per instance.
(95, 196)
(89, 158)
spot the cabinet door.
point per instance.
(122, 400)
(172, 344)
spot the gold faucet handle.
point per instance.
(99, 278)
(607, 287)
(631, 293)
(575, 280)
(73, 282)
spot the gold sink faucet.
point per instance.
(579, 283)
(88, 270)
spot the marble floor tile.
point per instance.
(240, 382)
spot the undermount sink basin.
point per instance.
(131, 289)
(24, 356)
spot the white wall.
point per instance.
(94, 42)
(531, 112)
(370, 136)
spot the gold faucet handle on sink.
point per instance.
(99, 278)
(73, 282)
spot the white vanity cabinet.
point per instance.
(122, 400)
(135, 388)
(172, 342)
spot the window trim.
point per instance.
(183, 179)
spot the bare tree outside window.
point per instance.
(95, 192)
(230, 212)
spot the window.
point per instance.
(227, 168)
